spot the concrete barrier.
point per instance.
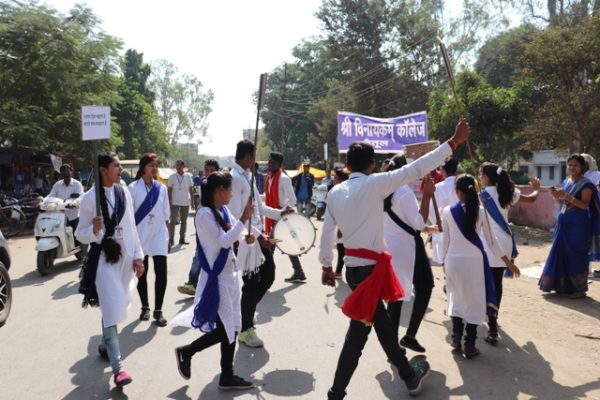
(541, 214)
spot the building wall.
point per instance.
(540, 214)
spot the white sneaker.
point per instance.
(250, 339)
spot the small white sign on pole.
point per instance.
(95, 122)
(325, 150)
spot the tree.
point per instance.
(182, 102)
(141, 128)
(50, 65)
(561, 64)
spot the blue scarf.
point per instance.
(492, 209)
(490, 290)
(205, 313)
(148, 203)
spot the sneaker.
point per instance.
(103, 352)
(492, 338)
(188, 289)
(183, 363)
(412, 343)
(158, 317)
(121, 379)
(145, 314)
(338, 275)
(250, 339)
(234, 383)
(296, 278)
(456, 342)
(421, 370)
(596, 273)
(470, 351)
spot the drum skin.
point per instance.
(296, 233)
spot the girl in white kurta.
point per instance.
(152, 213)
(115, 281)
(216, 231)
(403, 222)
(469, 286)
(499, 194)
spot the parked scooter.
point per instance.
(55, 239)
(320, 200)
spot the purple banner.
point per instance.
(386, 135)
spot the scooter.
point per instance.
(55, 239)
(320, 200)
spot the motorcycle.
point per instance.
(55, 239)
(320, 200)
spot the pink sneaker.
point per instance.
(122, 379)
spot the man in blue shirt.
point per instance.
(303, 186)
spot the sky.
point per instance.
(226, 44)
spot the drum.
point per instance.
(296, 233)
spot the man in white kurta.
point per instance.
(355, 207)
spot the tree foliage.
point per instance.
(50, 65)
(182, 102)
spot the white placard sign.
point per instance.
(95, 122)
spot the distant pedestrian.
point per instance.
(303, 186)
(181, 198)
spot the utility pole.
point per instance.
(284, 113)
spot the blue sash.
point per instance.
(205, 313)
(492, 209)
(490, 290)
(148, 203)
(575, 189)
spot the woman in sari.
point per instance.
(576, 234)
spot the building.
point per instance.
(550, 166)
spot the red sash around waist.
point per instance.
(382, 284)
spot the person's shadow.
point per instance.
(586, 305)
(273, 305)
(508, 371)
(90, 377)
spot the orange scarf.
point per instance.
(272, 197)
(382, 284)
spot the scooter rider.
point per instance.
(63, 190)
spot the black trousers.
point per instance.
(210, 339)
(254, 288)
(498, 274)
(471, 331)
(160, 283)
(423, 284)
(357, 335)
(341, 252)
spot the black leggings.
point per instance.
(254, 288)
(471, 331)
(209, 339)
(498, 274)
(160, 283)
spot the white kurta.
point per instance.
(445, 195)
(465, 283)
(152, 230)
(115, 283)
(213, 238)
(502, 238)
(399, 242)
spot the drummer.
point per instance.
(279, 194)
(355, 207)
(258, 269)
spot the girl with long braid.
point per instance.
(499, 194)
(216, 308)
(469, 282)
(114, 260)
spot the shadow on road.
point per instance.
(274, 302)
(33, 278)
(586, 305)
(514, 370)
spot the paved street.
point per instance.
(549, 348)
